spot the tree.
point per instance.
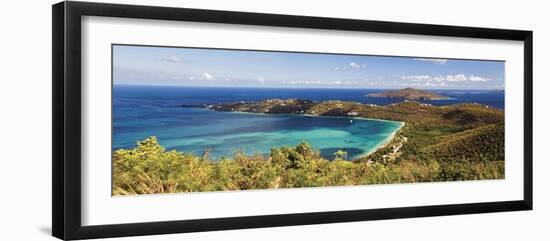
(340, 155)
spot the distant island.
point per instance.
(409, 94)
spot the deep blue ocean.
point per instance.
(143, 111)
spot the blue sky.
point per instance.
(145, 65)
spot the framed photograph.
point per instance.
(169, 120)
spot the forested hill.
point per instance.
(409, 111)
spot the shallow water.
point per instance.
(223, 133)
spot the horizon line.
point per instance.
(296, 87)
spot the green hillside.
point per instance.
(484, 143)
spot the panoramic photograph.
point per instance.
(201, 119)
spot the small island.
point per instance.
(409, 94)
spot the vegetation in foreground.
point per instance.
(149, 169)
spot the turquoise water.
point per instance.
(224, 133)
(138, 116)
(258, 133)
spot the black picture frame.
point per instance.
(66, 168)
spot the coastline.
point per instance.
(309, 115)
(385, 142)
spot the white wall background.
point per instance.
(25, 120)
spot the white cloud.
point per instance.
(316, 82)
(457, 78)
(301, 82)
(433, 61)
(477, 79)
(447, 78)
(207, 76)
(261, 80)
(351, 65)
(172, 59)
(417, 78)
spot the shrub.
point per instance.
(149, 168)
